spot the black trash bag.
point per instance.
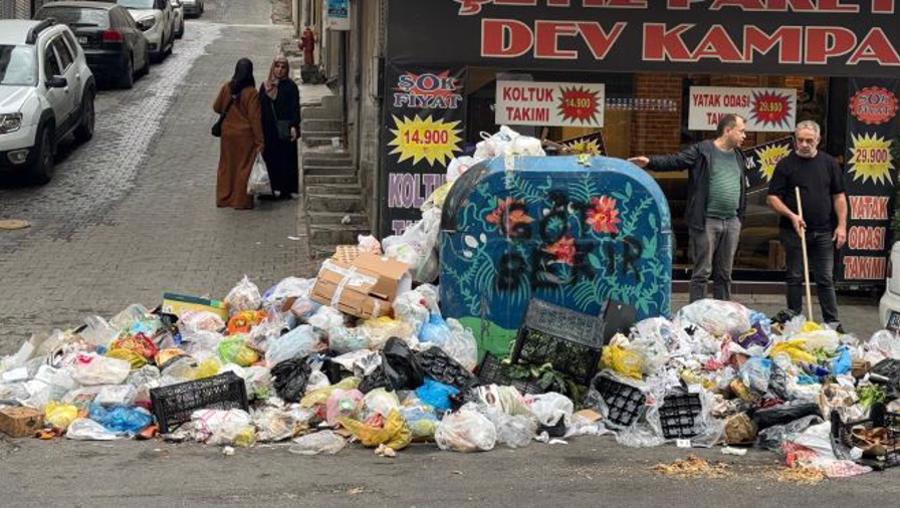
(290, 378)
(556, 430)
(778, 382)
(334, 371)
(783, 414)
(773, 437)
(399, 370)
(440, 366)
(784, 316)
(377, 379)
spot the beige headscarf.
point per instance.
(271, 84)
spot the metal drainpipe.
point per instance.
(358, 72)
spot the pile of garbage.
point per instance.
(361, 353)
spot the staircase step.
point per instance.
(332, 179)
(336, 234)
(334, 188)
(309, 169)
(346, 203)
(317, 140)
(333, 218)
(320, 113)
(321, 124)
(321, 133)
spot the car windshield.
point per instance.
(136, 4)
(75, 16)
(17, 65)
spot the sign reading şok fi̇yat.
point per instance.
(549, 104)
(765, 109)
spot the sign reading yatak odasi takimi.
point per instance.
(807, 37)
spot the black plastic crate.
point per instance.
(625, 402)
(493, 371)
(842, 440)
(173, 404)
(568, 340)
(441, 367)
(679, 414)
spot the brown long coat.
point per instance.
(242, 139)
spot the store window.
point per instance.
(647, 114)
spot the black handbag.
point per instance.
(282, 127)
(216, 130)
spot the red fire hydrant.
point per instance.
(307, 45)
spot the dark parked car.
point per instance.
(115, 48)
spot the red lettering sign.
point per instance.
(869, 207)
(864, 268)
(866, 238)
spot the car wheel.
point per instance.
(85, 130)
(146, 68)
(42, 171)
(127, 79)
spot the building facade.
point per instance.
(637, 77)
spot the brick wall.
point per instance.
(656, 131)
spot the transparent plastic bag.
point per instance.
(98, 331)
(273, 425)
(259, 183)
(380, 401)
(393, 434)
(513, 431)
(299, 342)
(235, 350)
(324, 442)
(93, 369)
(466, 431)
(222, 427)
(326, 318)
(550, 407)
(116, 395)
(342, 403)
(195, 321)
(85, 429)
(244, 296)
(717, 317)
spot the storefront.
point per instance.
(639, 77)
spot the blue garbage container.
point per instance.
(572, 231)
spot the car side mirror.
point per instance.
(57, 82)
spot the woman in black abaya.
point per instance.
(279, 99)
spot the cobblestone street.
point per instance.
(131, 214)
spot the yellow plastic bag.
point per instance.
(207, 368)
(321, 395)
(132, 357)
(625, 362)
(395, 434)
(809, 326)
(794, 349)
(60, 415)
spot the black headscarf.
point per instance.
(243, 76)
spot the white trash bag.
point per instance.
(259, 183)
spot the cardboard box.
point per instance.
(179, 304)
(347, 253)
(20, 421)
(365, 287)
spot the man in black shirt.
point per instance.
(824, 220)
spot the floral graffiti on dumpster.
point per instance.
(569, 238)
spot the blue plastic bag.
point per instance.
(842, 363)
(124, 419)
(436, 394)
(435, 331)
(755, 373)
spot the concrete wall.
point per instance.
(364, 108)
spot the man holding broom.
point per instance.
(820, 218)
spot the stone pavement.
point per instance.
(132, 213)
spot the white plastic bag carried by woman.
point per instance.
(259, 183)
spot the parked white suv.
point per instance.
(157, 20)
(46, 93)
(889, 306)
